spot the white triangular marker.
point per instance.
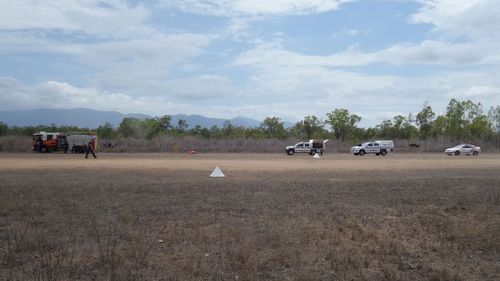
(217, 173)
(316, 156)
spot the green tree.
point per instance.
(386, 129)
(369, 133)
(165, 122)
(342, 122)
(182, 126)
(424, 121)
(455, 119)
(466, 120)
(480, 127)
(3, 129)
(215, 132)
(150, 127)
(494, 117)
(228, 129)
(273, 127)
(105, 131)
(255, 133)
(438, 127)
(130, 127)
(398, 127)
(408, 130)
(240, 132)
(310, 127)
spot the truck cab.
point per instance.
(312, 147)
(48, 142)
(302, 147)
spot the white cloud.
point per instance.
(439, 52)
(275, 53)
(114, 18)
(426, 52)
(179, 96)
(481, 92)
(472, 18)
(306, 85)
(232, 8)
(109, 39)
(130, 65)
(156, 50)
(53, 94)
(317, 81)
(355, 32)
(202, 87)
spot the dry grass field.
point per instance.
(274, 217)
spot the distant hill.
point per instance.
(207, 122)
(89, 118)
(81, 117)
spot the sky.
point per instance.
(250, 58)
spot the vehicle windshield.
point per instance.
(366, 143)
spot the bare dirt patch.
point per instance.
(274, 217)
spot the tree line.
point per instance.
(463, 121)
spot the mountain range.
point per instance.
(89, 118)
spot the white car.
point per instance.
(464, 148)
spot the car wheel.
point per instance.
(377, 154)
(457, 153)
(290, 152)
(361, 152)
(475, 153)
(383, 152)
(355, 154)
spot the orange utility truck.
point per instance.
(74, 141)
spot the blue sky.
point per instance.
(251, 58)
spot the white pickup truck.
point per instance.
(312, 147)
(378, 147)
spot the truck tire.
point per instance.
(290, 152)
(475, 153)
(320, 153)
(312, 152)
(362, 152)
(383, 152)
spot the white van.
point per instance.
(378, 147)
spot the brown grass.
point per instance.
(183, 144)
(274, 217)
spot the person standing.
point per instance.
(89, 149)
(39, 144)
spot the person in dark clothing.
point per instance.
(89, 149)
(39, 144)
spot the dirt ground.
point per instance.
(273, 217)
